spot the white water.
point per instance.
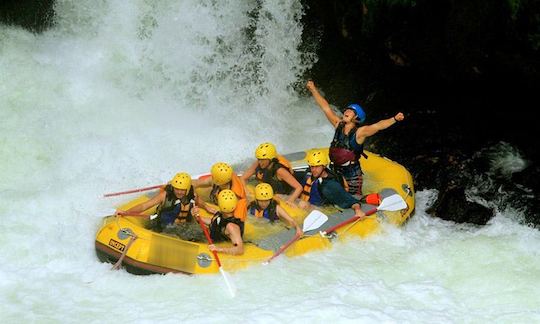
(123, 94)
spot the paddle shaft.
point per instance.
(348, 221)
(284, 247)
(132, 191)
(207, 234)
(132, 214)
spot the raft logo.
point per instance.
(117, 245)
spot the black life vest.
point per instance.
(218, 225)
(344, 147)
(269, 175)
(269, 213)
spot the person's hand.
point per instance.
(311, 85)
(399, 116)
(291, 204)
(195, 211)
(212, 248)
(359, 213)
(303, 204)
(119, 213)
(299, 231)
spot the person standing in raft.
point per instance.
(265, 206)
(174, 203)
(348, 143)
(223, 177)
(323, 186)
(225, 226)
(275, 170)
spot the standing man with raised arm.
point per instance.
(348, 143)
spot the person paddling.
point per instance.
(222, 176)
(323, 186)
(174, 203)
(275, 170)
(225, 226)
(265, 206)
(348, 143)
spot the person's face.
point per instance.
(180, 193)
(263, 203)
(264, 163)
(349, 116)
(316, 171)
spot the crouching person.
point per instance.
(224, 226)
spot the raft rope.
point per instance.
(132, 239)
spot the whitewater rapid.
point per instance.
(124, 94)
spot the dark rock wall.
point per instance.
(466, 73)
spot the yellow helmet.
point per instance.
(264, 191)
(181, 181)
(221, 173)
(227, 201)
(265, 151)
(317, 157)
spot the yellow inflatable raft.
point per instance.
(145, 252)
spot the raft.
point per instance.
(144, 251)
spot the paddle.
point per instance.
(313, 221)
(228, 282)
(198, 176)
(390, 203)
(132, 191)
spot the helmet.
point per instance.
(266, 151)
(264, 191)
(317, 157)
(181, 181)
(360, 113)
(221, 173)
(227, 201)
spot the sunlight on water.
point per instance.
(123, 94)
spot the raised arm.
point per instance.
(323, 104)
(369, 130)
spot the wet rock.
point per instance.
(452, 205)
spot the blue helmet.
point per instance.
(360, 113)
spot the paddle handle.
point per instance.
(207, 234)
(132, 214)
(284, 247)
(348, 221)
(132, 191)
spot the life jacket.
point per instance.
(310, 191)
(269, 175)
(174, 210)
(344, 149)
(269, 212)
(218, 225)
(312, 186)
(237, 187)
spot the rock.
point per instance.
(452, 205)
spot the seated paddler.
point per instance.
(174, 203)
(275, 170)
(266, 207)
(224, 226)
